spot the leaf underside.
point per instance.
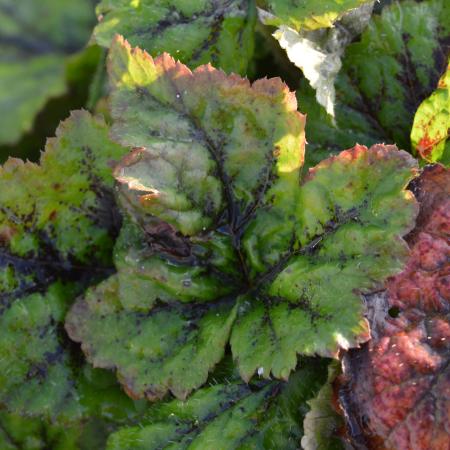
(318, 53)
(221, 243)
(308, 15)
(395, 390)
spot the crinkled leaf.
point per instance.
(348, 238)
(232, 415)
(197, 32)
(306, 15)
(322, 421)
(35, 41)
(396, 390)
(432, 124)
(56, 223)
(153, 351)
(215, 144)
(376, 96)
(224, 244)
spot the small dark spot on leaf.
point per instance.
(394, 312)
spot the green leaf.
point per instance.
(306, 15)
(322, 422)
(231, 415)
(40, 372)
(56, 225)
(196, 32)
(348, 238)
(35, 41)
(35, 371)
(167, 348)
(432, 123)
(376, 96)
(25, 433)
(20, 433)
(195, 122)
(59, 214)
(222, 244)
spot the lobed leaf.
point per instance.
(57, 217)
(376, 97)
(35, 40)
(395, 390)
(221, 242)
(36, 376)
(153, 351)
(348, 237)
(229, 415)
(432, 123)
(197, 32)
(57, 228)
(308, 15)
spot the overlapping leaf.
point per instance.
(19, 433)
(318, 54)
(229, 415)
(197, 32)
(223, 244)
(35, 41)
(396, 390)
(322, 421)
(432, 124)
(57, 228)
(58, 217)
(315, 35)
(32, 433)
(306, 15)
(41, 374)
(377, 96)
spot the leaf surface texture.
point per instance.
(223, 244)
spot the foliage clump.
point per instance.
(185, 259)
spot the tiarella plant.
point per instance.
(181, 270)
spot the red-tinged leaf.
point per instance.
(431, 127)
(222, 241)
(396, 390)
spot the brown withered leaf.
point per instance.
(396, 390)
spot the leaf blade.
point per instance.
(432, 123)
(196, 32)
